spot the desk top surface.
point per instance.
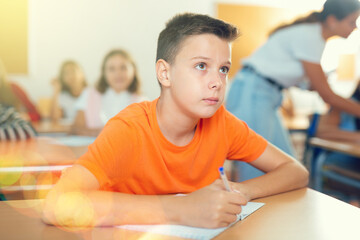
(41, 151)
(344, 147)
(301, 214)
(48, 126)
(297, 123)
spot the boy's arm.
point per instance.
(283, 173)
(76, 201)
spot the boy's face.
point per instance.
(199, 74)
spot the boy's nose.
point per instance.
(215, 83)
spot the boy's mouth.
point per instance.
(211, 100)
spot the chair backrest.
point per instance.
(314, 122)
(311, 131)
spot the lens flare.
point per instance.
(7, 177)
(74, 209)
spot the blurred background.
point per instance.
(36, 36)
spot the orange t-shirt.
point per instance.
(132, 156)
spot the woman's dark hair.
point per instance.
(337, 8)
(102, 84)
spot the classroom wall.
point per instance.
(85, 30)
(255, 24)
(14, 35)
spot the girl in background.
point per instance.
(117, 87)
(68, 86)
(13, 95)
(291, 55)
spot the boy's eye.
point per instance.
(201, 66)
(224, 70)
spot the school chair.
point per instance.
(316, 159)
(310, 151)
(324, 169)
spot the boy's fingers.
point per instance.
(237, 198)
(229, 218)
(233, 209)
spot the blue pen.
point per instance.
(224, 179)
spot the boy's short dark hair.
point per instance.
(189, 24)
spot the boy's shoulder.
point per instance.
(137, 111)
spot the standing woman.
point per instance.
(291, 54)
(117, 87)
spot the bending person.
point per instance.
(291, 55)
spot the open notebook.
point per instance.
(192, 232)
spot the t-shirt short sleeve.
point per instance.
(81, 102)
(308, 44)
(105, 159)
(244, 144)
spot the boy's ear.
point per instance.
(162, 72)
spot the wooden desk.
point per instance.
(302, 214)
(297, 123)
(350, 148)
(338, 173)
(35, 164)
(47, 126)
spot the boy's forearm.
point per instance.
(286, 177)
(100, 208)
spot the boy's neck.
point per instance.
(176, 128)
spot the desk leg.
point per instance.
(318, 168)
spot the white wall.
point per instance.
(85, 30)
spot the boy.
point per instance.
(175, 144)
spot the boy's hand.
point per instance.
(211, 206)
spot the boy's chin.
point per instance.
(208, 114)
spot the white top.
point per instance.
(111, 103)
(66, 102)
(280, 57)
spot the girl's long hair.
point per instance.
(337, 8)
(102, 84)
(64, 86)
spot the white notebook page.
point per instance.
(192, 232)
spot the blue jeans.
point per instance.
(256, 101)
